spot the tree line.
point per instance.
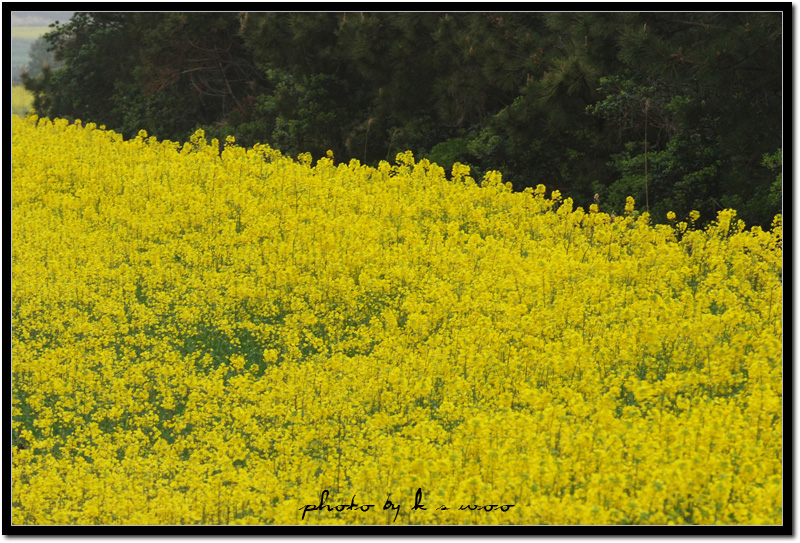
(682, 111)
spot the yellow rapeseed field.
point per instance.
(206, 337)
(21, 100)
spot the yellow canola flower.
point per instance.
(217, 337)
(629, 205)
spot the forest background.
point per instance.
(682, 111)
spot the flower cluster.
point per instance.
(213, 334)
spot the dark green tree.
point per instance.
(677, 110)
(97, 54)
(167, 73)
(703, 93)
(193, 70)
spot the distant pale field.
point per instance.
(28, 32)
